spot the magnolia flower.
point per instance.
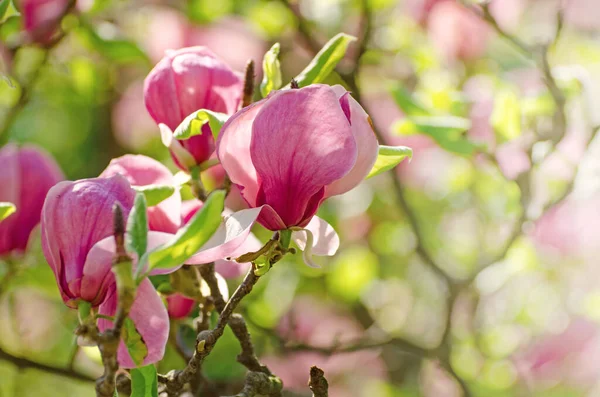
(27, 175)
(183, 82)
(41, 18)
(75, 218)
(143, 171)
(78, 243)
(291, 151)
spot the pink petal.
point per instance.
(232, 233)
(142, 171)
(27, 174)
(179, 306)
(188, 80)
(103, 252)
(366, 142)
(150, 318)
(326, 241)
(301, 142)
(233, 269)
(233, 151)
(76, 215)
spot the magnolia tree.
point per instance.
(150, 259)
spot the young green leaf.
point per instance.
(155, 194)
(409, 105)
(144, 382)
(118, 51)
(6, 210)
(3, 7)
(134, 342)
(192, 125)
(192, 237)
(388, 158)
(325, 61)
(137, 227)
(271, 71)
(447, 131)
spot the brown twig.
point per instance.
(26, 89)
(24, 363)
(237, 323)
(317, 382)
(248, 84)
(108, 341)
(259, 383)
(206, 340)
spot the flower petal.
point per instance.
(233, 150)
(233, 269)
(325, 240)
(301, 142)
(232, 233)
(151, 321)
(366, 142)
(142, 171)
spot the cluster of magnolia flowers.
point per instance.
(285, 154)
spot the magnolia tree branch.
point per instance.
(175, 380)
(236, 322)
(24, 363)
(28, 86)
(261, 384)
(108, 341)
(317, 382)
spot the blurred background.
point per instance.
(472, 267)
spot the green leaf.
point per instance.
(271, 71)
(506, 117)
(447, 131)
(10, 31)
(192, 125)
(118, 51)
(192, 237)
(144, 382)
(137, 227)
(6, 210)
(325, 61)
(155, 194)
(409, 105)
(134, 342)
(3, 7)
(388, 158)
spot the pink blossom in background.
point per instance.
(179, 306)
(27, 174)
(317, 324)
(583, 14)
(570, 357)
(457, 32)
(143, 171)
(570, 228)
(183, 82)
(133, 127)
(41, 18)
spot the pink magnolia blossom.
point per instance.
(456, 31)
(292, 150)
(179, 306)
(320, 325)
(27, 175)
(78, 243)
(141, 170)
(184, 81)
(75, 217)
(41, 18)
